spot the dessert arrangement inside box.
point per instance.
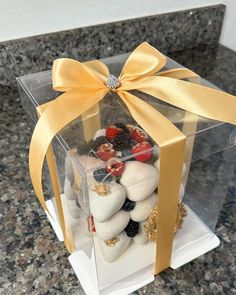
(122, 189)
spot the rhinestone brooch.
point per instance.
(112, 82)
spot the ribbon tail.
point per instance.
(172, 145)
(181, 73)
(57, 115)
(200, 100)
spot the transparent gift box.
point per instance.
(105, 169)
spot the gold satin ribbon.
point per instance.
(84, 85)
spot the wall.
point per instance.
(28, 18)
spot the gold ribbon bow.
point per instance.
(85, 85)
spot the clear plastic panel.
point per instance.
(109, 185)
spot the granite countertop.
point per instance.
(33, 261)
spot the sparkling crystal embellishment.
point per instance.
(113, 82)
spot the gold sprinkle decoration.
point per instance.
(150, 226)
(181, 214)
(112, 242)
(101, 189)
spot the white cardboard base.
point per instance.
(128, 273)
(53, 220)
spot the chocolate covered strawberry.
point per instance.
(106, 151)
(91, 225)
(141, 148)
(112, 131)
(115, 167)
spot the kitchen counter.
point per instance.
(34, 262)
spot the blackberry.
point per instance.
(99, 141)
(101, 175)
(121, 141)
(132, 229)
(149, 140)
(133, 142)
(126, 153)
(122, 126)
(128, 205)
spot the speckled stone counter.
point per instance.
(34, 262)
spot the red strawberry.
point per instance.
(116, 168)
(91, 226)
(112, 131)
(138, 135)
(142, 147)
(106, 151)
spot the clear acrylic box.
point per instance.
(106, 203)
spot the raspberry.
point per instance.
(112, 131)
(139, 135)
(91, 225)
(106, 151)
(128, 205)
(122, 126)
(121, 141)
(132, 229)
(116, 168)
(142, 147)
(101, 175)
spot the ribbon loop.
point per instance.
(144, 61)
(98, 69)
(69, 74)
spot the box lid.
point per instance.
(209, 136)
